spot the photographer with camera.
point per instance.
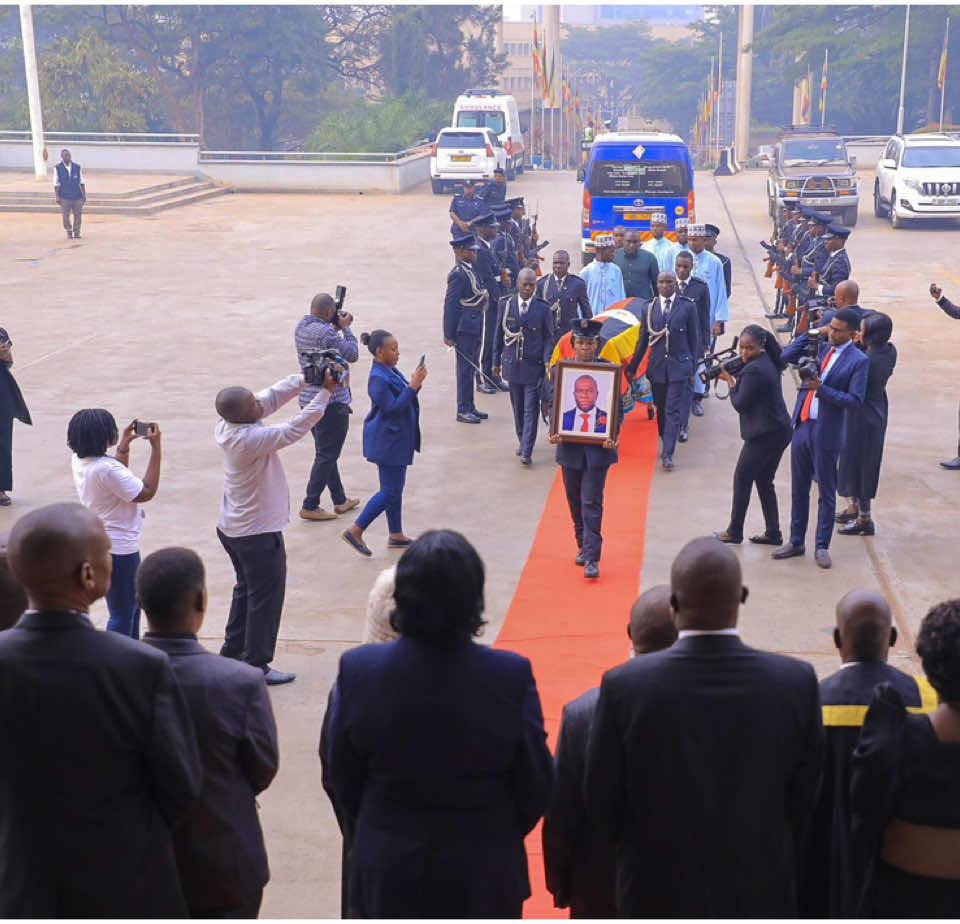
(757, 396)
(833, 377)
(256, 507)
(953, 311)
(326, 330)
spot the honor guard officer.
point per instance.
(522, 348)
(505, 248)
(463, 308)
(671, 329)
(516, 229)
(837, 267)
(565, 293)
(489, 274)
(713, 232)
(584, 466)
(496, 192)
(464, 208)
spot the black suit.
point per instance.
(579, 856)
(219, 844)
(98, 760)
(952, 311)
(766, 432)
(671, 363)
(438, 765)
(699, 291)
(705, 759)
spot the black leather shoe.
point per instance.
(765, 539)
(483, 415)
(526, 460)
(697, 408)
(845, 516)
(952, 466)
(726, 537)
(789, 551)
(486, 389)
(683, 436)
(502, 386)
(859, 528)
(590, 570)
(667, 463)
(580, 560)
(76, 235)
(468, 418)
(274, 677)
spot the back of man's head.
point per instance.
(846, 293)
(651, 626)
(864, 629)
(233, 402)
(61, 555)
(706, 586)
(171, 590)
(13, 598)
(322, 305)
(850, 317)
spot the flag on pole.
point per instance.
(805, 97)
(823, 82)
(536, 56)
(942, 72)
(552, 83)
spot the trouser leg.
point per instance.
(65, 215)
(801, 477)
(329, 434)
(122, 596)
(677, 404)
(394, 481)
(591, 503)
(517, 396)
(659, 392)
(234, 638)
(825, 470)
(77, 214)
(6, 453)
(489, 329)
(743, 477)
(572, 480)
(468, 349)
(263, 563)
(767, 471)
(531, 418)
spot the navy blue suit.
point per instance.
(506, 252)
(391, 435)
(438, 765)
(463, 310)
(466, 209)
(569, 296)
(523, 362)
(671, 363)
(816, 445)
(488, 271)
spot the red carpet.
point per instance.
(571, 629)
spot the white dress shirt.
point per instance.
(256, 498)
(591, 420)
(815, 404)
(686, 633)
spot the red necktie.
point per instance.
(585, 428)
(808, 401)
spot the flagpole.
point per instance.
(719, 88)
(823, 89)
(533, 89)
(903, 69)
(943, 88)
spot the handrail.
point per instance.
(310, 156)
(135, 137)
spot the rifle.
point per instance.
(536, 258)
(533, 240)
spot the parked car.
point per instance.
(918, 177)
(462, 153)
(812, 166)
(628, 177)
(763, 157)
(489, 108)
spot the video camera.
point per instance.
(316, 364)
(808, 366)
(722, 361)
(338, 312)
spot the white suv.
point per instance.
(918, 177)
(465, 153)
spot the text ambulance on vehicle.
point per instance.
(498, 112)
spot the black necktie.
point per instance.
(523, 309)
(666, 308)
(683, 287)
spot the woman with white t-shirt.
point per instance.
(106, 486)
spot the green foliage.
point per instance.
(88, 85)
(389, 126)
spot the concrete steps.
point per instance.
(140, 202)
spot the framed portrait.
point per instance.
(586, 401)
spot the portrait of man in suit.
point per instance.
(587, 416)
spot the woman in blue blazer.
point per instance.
(391, 435)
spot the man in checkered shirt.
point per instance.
(326, 329)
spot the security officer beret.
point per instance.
(502, 211)
(586, 329)
(838, 231)
(516, 202)
(464, 241)
(487, 218)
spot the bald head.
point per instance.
(846, 293)
(706, 586)
(61, 555)
(651, 626)
(239, 405)
(13, 598)
(864, 629)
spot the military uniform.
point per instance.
(488, 271)
(495, 193)
(463, 308)
(567, 298)
(836, 269)
(466, 208)
(505, 249)
(523, 346)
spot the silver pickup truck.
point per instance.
(812, 166)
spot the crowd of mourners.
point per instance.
(701, 778)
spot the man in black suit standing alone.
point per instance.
(219, 844)
(99, 757)
(704, 759)
(578, 856)
(671, 330)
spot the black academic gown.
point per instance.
(865, 430)
(832, 879)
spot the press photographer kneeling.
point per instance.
(757, 396)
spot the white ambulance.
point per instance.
(492, 109)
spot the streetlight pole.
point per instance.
(903, 69)
(33, 90)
